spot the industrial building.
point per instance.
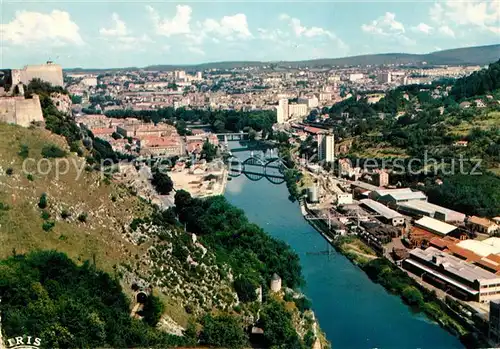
(387, 215)
(471, 251)
(488, 247)
(312, 194)
(482, 225)
(434, 226)
(458, 277)
(425, 208)
(344, 199)
(397, 196)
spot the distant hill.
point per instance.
(478, 55)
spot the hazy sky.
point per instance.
(92, 33)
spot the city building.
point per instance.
(146, 130)
(179, 75)
(282, 111)
(482, 225)
(384, 77)
(355, 77)
(311, 102)
(383, 178)
(90, 81)
(161, 146)
(460, 278)
(326, 148)
(297, 111)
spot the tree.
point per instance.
(252, 134)
(219, 126)
(223, 331)
(181, 127)
(276, 322)
(153, 309)
(245, 288)
(182, 199)
(76, 99)
(209, 151)
(162, 181)
(42, 203)
(52, 151)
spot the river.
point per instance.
(353, 311)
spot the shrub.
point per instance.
(52, 151)
(43, 201)
(30, 177)
(82, 217)
(75, 148)
(48, 225)
(45, 215)
(9, 171)
(65, 214)
(24, 151)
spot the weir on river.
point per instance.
(353, 311)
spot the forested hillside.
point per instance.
(45, 294)
(203, 291)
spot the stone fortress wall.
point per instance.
(16, 109)
(21, 111)
(48, 72)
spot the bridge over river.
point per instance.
(255, 167)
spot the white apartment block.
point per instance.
(311, 102)
(282, 111)
(355, 77)
(297, 111)
(326, 147)
(286, 111)
(179, 75)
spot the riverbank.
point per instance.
(398, 282)
(343, 298)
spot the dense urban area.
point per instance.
(396, 165)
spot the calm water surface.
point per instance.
(353, 311)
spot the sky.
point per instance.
(107, 34)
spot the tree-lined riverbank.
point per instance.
(353, 311)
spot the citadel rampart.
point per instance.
(49, 72)
(20, 111)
